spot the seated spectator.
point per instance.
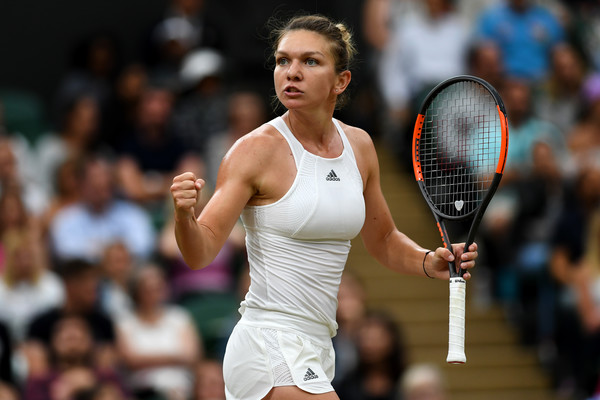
(584, 138)
(66, 191)
(201, 109)
(422, 382)
(569, 247)
(28, 287)
(158, 342)
(526, 34)
(84, 229)
(14, 178)
(484, 60)
(18, 166)
(14, 218)
(559, 98)
(77, 137)
(73, 369)
(209, 384)
(422, 50)
(152, 154)
(116, 268)
(350, 315)
(381, 361)
(129, 88)
(527, 131)
(246, 111)
(81, 281)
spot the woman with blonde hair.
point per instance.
(305, 184)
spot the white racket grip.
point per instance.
(456, 322)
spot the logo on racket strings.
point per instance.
(459, 204)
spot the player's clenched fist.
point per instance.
(186, 194)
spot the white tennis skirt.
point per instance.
(263, 352)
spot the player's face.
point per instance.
(305, 70)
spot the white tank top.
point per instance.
(298, 246)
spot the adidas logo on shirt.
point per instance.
(310, 374)
(331, 176)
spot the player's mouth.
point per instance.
(292, 91)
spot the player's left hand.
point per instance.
(437, 266)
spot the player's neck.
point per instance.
(312, 127)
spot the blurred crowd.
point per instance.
(95, 299)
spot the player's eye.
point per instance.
(311, 62)
(281, 61)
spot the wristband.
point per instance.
(424, 270)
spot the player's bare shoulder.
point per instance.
(359, 138)
(363, 148)
(255, 151)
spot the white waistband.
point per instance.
(286, 322)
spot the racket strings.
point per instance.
(459, 147)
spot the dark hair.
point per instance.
(394, 362)
(74, 268)
(338, 35)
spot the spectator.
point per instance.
(568, 252)
(526, 34)
(81, 281)
(526, 132)
(584, 139)
(381, 361)
(93, 66)
(209, 384)
(202, 109)
(13, 177)
(539, 197)
(245, 111)
(151, 154)
(117, 267)
(484, 60)
(73, 370)
(559, 99)
(14, 218)
(586, 285)
(158, 342)
(77, 136)
(422, 382)
(66, 191)
(17, 164)
(421, 51)
(350, 315)
(27, 287)
(84, 229)
(129, 88)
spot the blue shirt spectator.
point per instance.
(84, 229)
(525, 33)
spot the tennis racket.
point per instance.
(460, 142)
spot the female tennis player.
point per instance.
(304, 184)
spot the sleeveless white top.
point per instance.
(298, 246)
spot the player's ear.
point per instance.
(343, 80)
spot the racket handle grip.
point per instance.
(456, 322)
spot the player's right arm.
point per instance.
(200, 239)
